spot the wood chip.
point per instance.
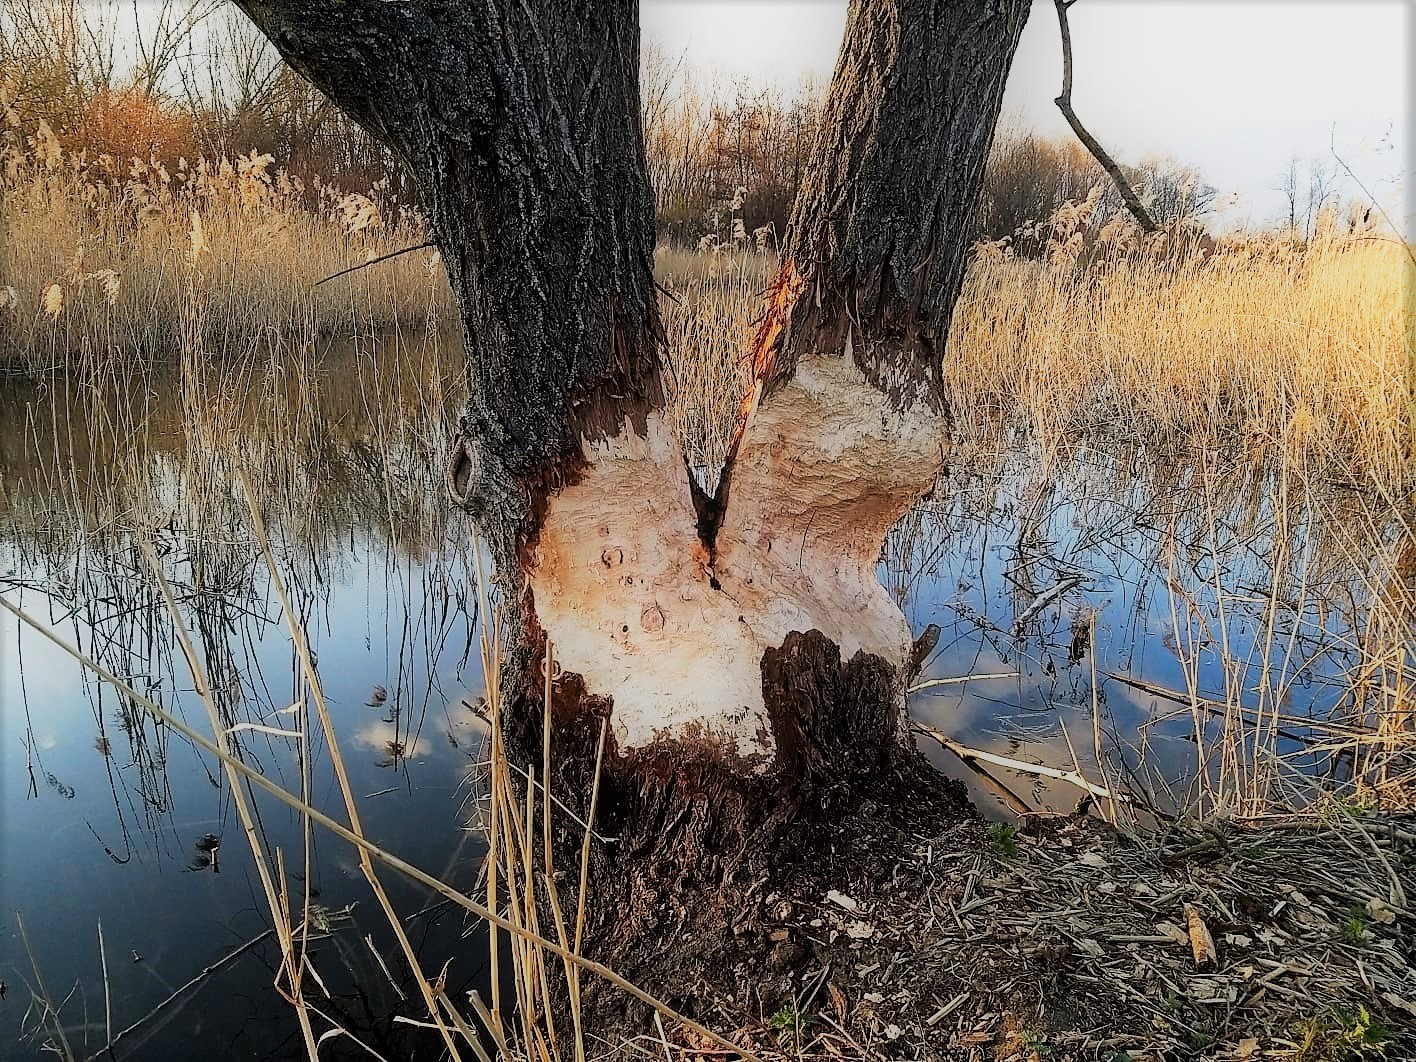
(843, 901)
(1201, 942)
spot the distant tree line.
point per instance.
(194, 77)
(173, 79)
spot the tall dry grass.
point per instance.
(120, 258)
(711, 301)
(1265, 346)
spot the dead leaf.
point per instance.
(1201, 942)
(838, 1000)
(1380, 912)
(1174, 932)
(1248, 1047)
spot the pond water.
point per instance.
(110, 820)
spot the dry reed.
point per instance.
(116, 259)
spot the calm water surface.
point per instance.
(106, 818)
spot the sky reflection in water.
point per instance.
(107, 818)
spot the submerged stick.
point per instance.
(965, 753)
(224, 961)
(107, 997)
(1051, 594)
(1096, 716)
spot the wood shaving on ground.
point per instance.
(1223, 943)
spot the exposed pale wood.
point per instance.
(520, 122)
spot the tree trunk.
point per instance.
(750, 665)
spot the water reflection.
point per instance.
(109, 818)
(1177, 629)
(1200, 633)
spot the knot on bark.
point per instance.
(463, 471)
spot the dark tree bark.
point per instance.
(881, 224)
(750, 665)
(521, 124)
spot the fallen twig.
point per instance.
(1072, 777)
(1051, 594)
(225, 960)
(960, 679)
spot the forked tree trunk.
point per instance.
(751, 666)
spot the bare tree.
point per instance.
(229, 86)
(161, 38)
(751, 668)
(1308, 188)
(53, 57)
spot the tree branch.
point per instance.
(1064, 104)
(374, 261)
(879, 229)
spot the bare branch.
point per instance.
(1064, 104)
(374, 261)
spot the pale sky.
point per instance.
(1235, 87)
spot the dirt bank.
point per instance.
(1065, 939)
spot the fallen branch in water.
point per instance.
(969, 755)
(1051, 594)
(1325, 727)
(225, 960)
(960, 679)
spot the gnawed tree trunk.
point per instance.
(750, 664)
